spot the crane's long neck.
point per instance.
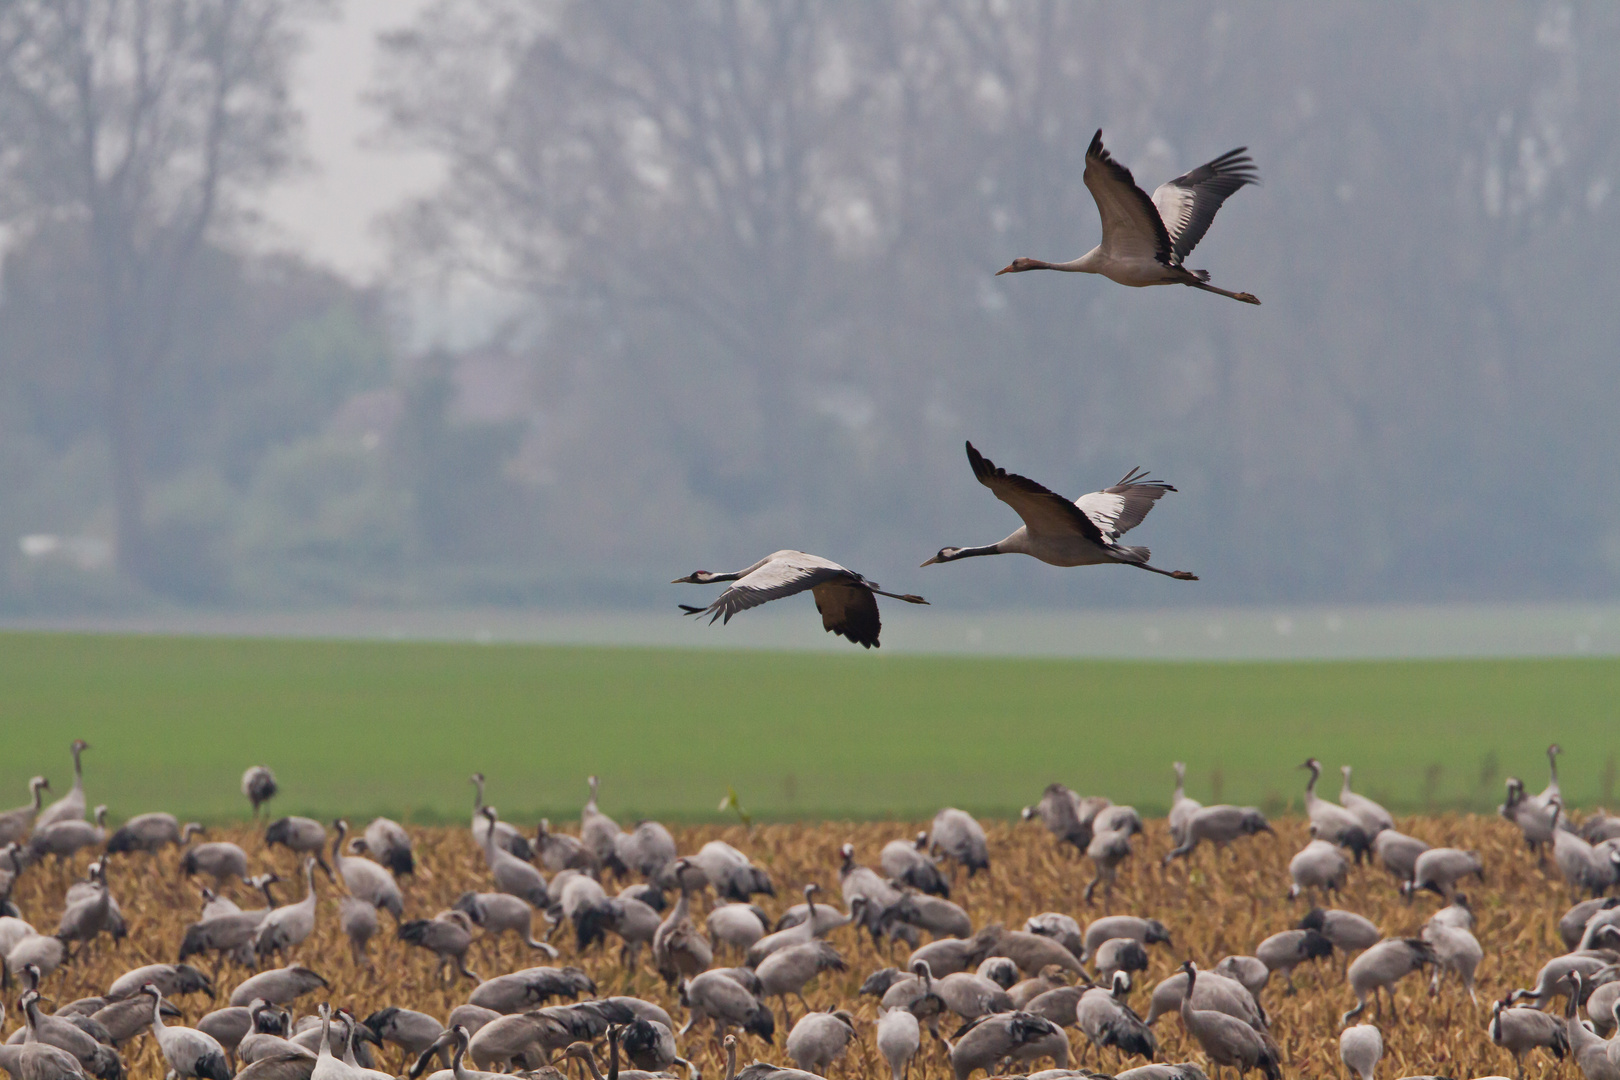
(337, 841)
(39, 795)
(1181, 783)
(1344, 789)
(478, 793)
(348, 1043)
(326, 1035)
(157, 1012)
(590, 1063)
(613, 1054)
(969, 552)
(731, 1061)
(78, 768)
(1310, 785)
(309, 885)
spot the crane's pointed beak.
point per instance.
(930, 562)
(1008, 269)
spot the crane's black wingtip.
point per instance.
(690, 610)
(1096, 146)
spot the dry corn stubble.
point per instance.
(1215, 903)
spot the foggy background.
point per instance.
(499, 303)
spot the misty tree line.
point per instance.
(752, 246)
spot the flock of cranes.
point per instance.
(1144, 242)
(991, 999)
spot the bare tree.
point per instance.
(141, 120)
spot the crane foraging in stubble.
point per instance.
(1084, 532)
(846, 600)
(1145, 240)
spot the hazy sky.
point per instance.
(330, 211)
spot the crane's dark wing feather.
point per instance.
(1043, 510)
(1188, 203)
(1132, 226)
(848, 607)
(784, 574)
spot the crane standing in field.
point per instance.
(1145, 240)
(1084, 532)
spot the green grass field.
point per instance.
(359, 727)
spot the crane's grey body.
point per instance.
(1381, 967)
(820, 1038)
(1220, 825)
(1361, 1046)
(1212, 991)
(69, 807)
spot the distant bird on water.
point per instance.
(1084, 532)
(1145, 240)
(845, 599)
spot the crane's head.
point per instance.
(696, 577)
(1019, 265)
(945, 554)
(79, 746)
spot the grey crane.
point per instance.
(810, 927)
(1001, 971)
(293, 1064)
(1108, 848)
(67, 836)
(1439, 869)
(1181, 807)
(512, 874)
(1226, 1040)
(1373, 817)
(1062, 929)
(1320, 866)
(123, 1020)
(1571, 925)
(1458, 913)
(968, 995)
(737, 925)
(1519, 1031)
(1287, 949)
(172, 980)
(1107, 1020)
(15, 825)
(1349, 932)
(1144, 241)
(679, 949)
(358, 921)
(898, 990)
(387, 841)
(1607, 916)
(788, 970)
(649, 1043)
(259, 786)
(598, 832)
(1000, 1035)
(69, 807)
(302, 836)
(648, 850)
(960, 838)
(45, 951)
(1147, 931)
(846, 600)
(731, 873)
(934, 914)
(714, 996)
(411, 1031)
(899, 1037)
(1381, 967)
(96, 1059)
(1051, 977)
(950, 955)
(559, 851)
(1220, 825)
(188, 1051)
(219, 859)
(278, 986)
(907, 863)
(862, 882)
(519, 990)
(1031, 952)
(1059, 1004)
(36, 1059)
(1212, 991)
(1399, 853)
(1591, 1054)
(447, 935)
(507, 836)
(228, 1026)
(1119, 954)
(1332, 822)
(365, 880)
(1065, 814)
(502, 913)
(1557, 977)
(1585, 871)
(1058, 532)
(1455, 950)
(150, 832)
(1360, 1048)
(86, 916)
(1251, 971)
(820, 1038)
(287, 927)
(1185, 1070)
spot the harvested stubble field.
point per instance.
(1214, 903)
